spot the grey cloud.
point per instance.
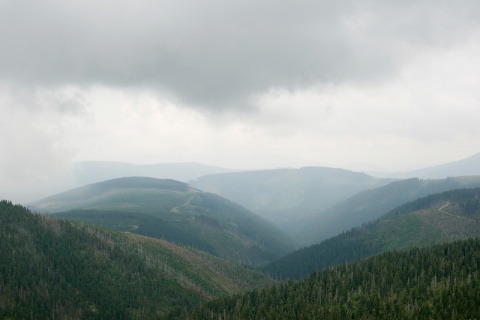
(65, 102)
(218, 54)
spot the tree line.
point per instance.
(440, 282)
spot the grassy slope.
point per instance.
(430, 220)
(171, 210)
(54, 268)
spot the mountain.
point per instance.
(465, 167)
(87, 172)
(56, 269)
(371, 204)
(434, 219)
(172, 210)
(285, 196)
(440, 282)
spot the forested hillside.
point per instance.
(372, 204)
(441, 282)
(172, 210)
(434, 219)
(54, 269)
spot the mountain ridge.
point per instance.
(82, 173)
(434, 219)
(371, 204)
(172, 210)
(463, 167)
(283, 196)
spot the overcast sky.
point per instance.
(362, 85)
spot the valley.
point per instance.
(202, 254)
(287, 197)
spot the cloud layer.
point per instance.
(241, 84)
(215, 54)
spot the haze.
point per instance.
(361, 85)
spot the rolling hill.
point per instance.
(285, 196)
(372, 204)
(88, 172)
(77, 174)
(56, 269)
(438, 218)
(172, 210)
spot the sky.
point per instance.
(355, 84)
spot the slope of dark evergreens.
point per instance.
(349, 246)
(139, 223)
(440, 282)
(417, 223)
(55, 269)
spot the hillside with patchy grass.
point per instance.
(56, 269)
(172, 210)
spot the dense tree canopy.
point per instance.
(441, 282)
(56, 269)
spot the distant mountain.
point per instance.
(465, 167)
(55, 269)
(285, 196)
(371, 204)
(438, 218)
(440, 282)
(88, 172)
(172, 210)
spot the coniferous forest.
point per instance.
(44, 278)
(441, 282)
(58, 269)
